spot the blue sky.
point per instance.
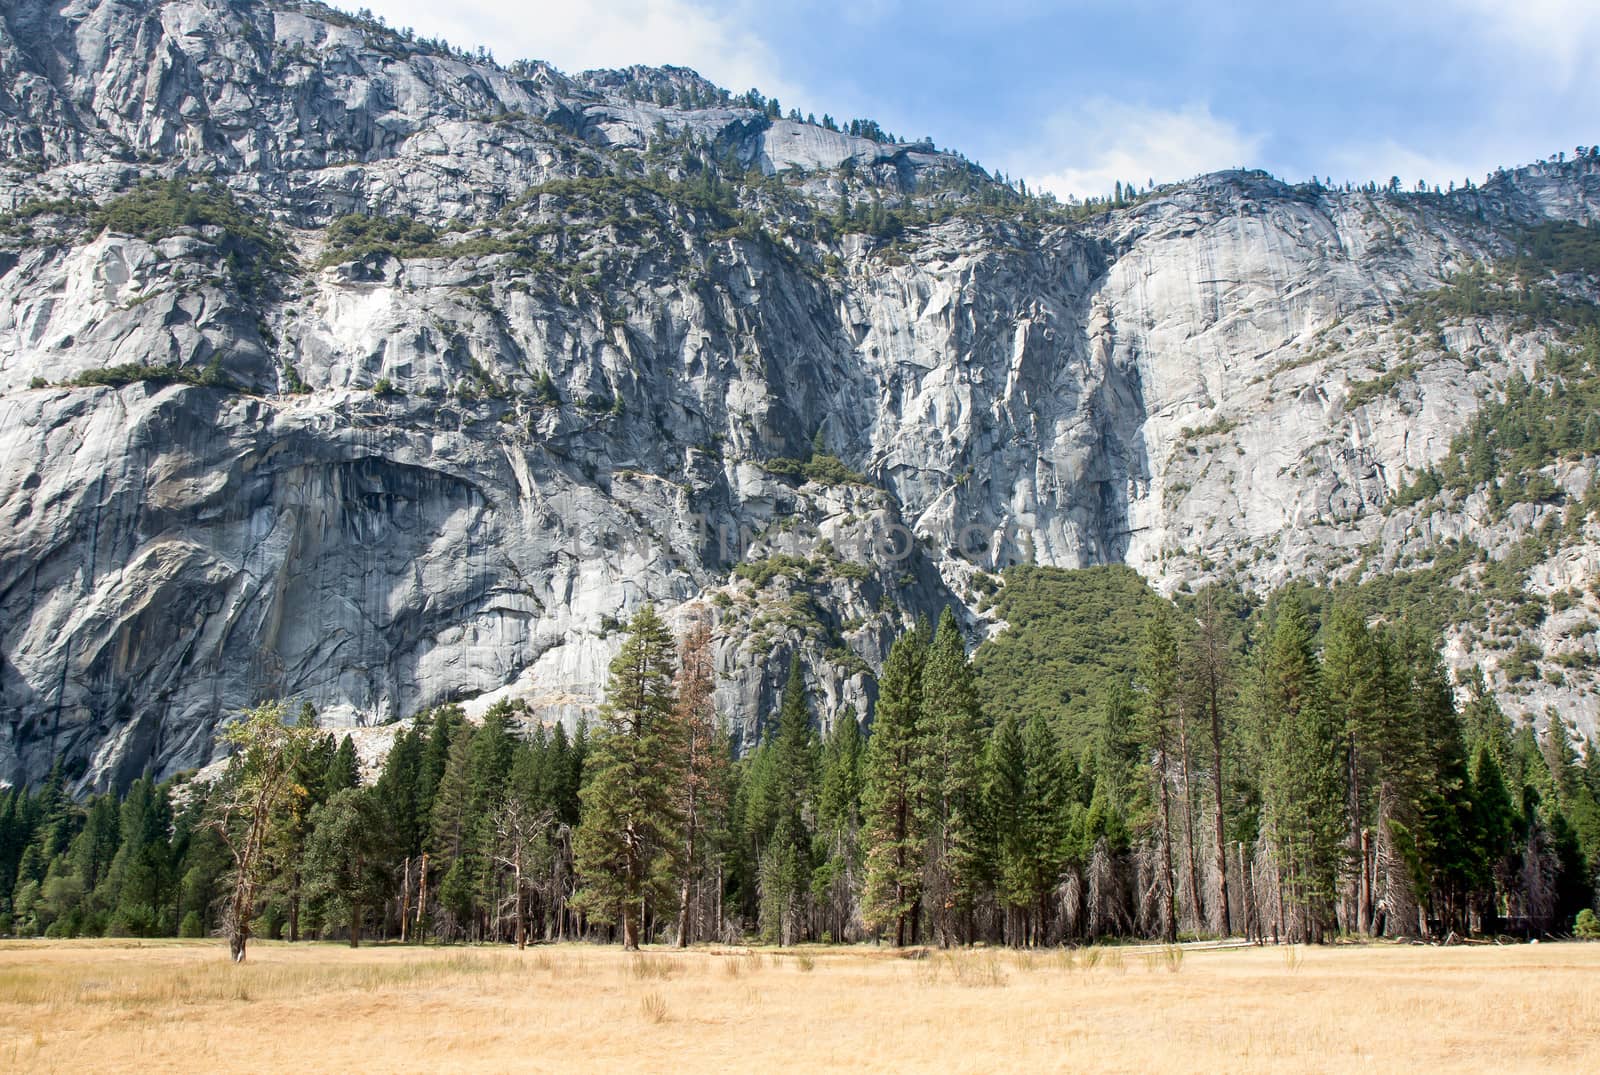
(1073, 96)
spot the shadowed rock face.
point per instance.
(591, 381)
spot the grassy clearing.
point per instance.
(159, 1006)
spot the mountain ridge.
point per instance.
(388, 470)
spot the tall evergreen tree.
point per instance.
(1354, 689)
(892, 840)
(344, 859)
(702, 794)
(1209, 665)
(344, 769)
(142, 872)
(1497, 825)
(1006, 792)
(789, 809)
(1303, 795)
(631, 829)
(952, 778)
(836, 881)
(396, 791)
(1157, 682)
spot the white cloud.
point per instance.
(576, 35)
(1562, 35)
(1085, 151)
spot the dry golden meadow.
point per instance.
(180, 1006)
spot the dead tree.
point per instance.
(518, 834)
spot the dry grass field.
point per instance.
(180, 1006)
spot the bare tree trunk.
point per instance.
(1247, 902)
(522, 910)
(1212, 654)
(1169, 925)
(247, 858)
(1191, 861)
(422, 890)
(1358, 834)
(405, 900)
(632, 885)
(1225, 920)
(1364, 908)
(686, 886)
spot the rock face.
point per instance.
(634, 307)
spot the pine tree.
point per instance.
(1497, 825)
(344, 859)
(344, 770)
(702, 795)
(892, 840)
(488, 772)
(1006, 795)
(396, 793)
(1354, 688)
(446, 722)
(1448, 814)
(631, 830)
(93, 855)
(1157, 683)
(141, 873)
(953, 781)
(450, 823)
(1484, 721)
(835, 882)
(785, 864)
(1209, 674)
(1049, 804)
(1303, 789)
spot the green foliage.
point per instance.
(1533, 424)
(629, 831)
(822, 468)
(1559, 246)
(133, 373)
(1460, 584)
(357, 235)
(952, 782)
(346, 872)
(778, 565)
(839, 818)
(1521, 287)
(780, 803)
(892, 838)
(939, 827)
(21, 221)
(1363, 392)
(1302, 788)
(1218, 427)
(1069, 635)
(158, 209)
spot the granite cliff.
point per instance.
(341, 366)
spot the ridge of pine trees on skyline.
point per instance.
(1113, 765)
